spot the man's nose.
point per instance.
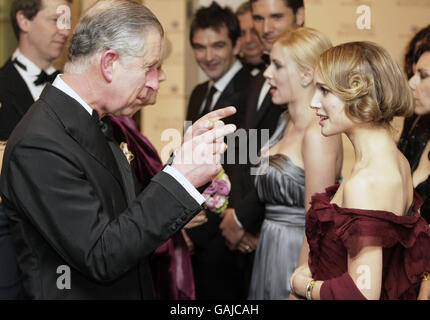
(267, 26)
(152, 80)
(247, 37)
(209, 54)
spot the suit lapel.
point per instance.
(252, 102)
(265, 105)
(17, 87)
(196, 101)
(234, 89)
(79, 124)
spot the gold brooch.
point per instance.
(127, 153)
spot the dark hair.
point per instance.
(295, 5)
(215, 17)
(29, 8)
(422, 46)
(411, 54)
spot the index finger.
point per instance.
(218, 114)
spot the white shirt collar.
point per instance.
(222, 83)
(61, 85)
(32, 69)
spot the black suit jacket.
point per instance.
(249, 210)
(64, 197)
(219, 272)
(231, 96)
(15, 98)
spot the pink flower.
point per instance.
(222, 187)
(212, 189)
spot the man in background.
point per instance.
(22, 79)
(251, 48)
(241, 225)
(41, 38)
(214, 35)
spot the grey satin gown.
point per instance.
(282, 188)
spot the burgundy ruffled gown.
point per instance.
(333, 231)
(171, 267)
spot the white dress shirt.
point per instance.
(30, 75)
(222, 83)
(263, 92)
(61, 85)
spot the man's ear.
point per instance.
(300, 17)
(108, 61)
(23, 21)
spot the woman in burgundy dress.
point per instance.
(366, 237)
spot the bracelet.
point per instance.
(309, 288)
(425, 276)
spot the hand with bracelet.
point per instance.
(425, 287)
(303, 285)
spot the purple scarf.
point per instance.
(170, 263)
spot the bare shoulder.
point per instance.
(371, 188)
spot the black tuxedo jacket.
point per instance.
(64, 196)
(220, 273)
(231, 96)
(249, 210)
(15, 99)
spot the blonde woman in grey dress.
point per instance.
(300, 162)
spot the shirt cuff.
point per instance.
(185, 183)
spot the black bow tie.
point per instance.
(266, 59)
(19, 64)
(104, 124)
(43, 77)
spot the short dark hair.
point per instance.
(215, 17)
(29, 8)
(421, 37)
(295, 5)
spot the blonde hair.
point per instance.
(304, 45)
(367, 78)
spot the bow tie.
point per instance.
(104, 124)
(266, 59)
(43, 77)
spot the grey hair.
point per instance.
(118, 25)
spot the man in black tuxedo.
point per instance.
(79, 228)
(218, 271)
(41, 31)
(40, 41)
(271, 18)
(251, 47)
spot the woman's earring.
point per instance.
(305, 84)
